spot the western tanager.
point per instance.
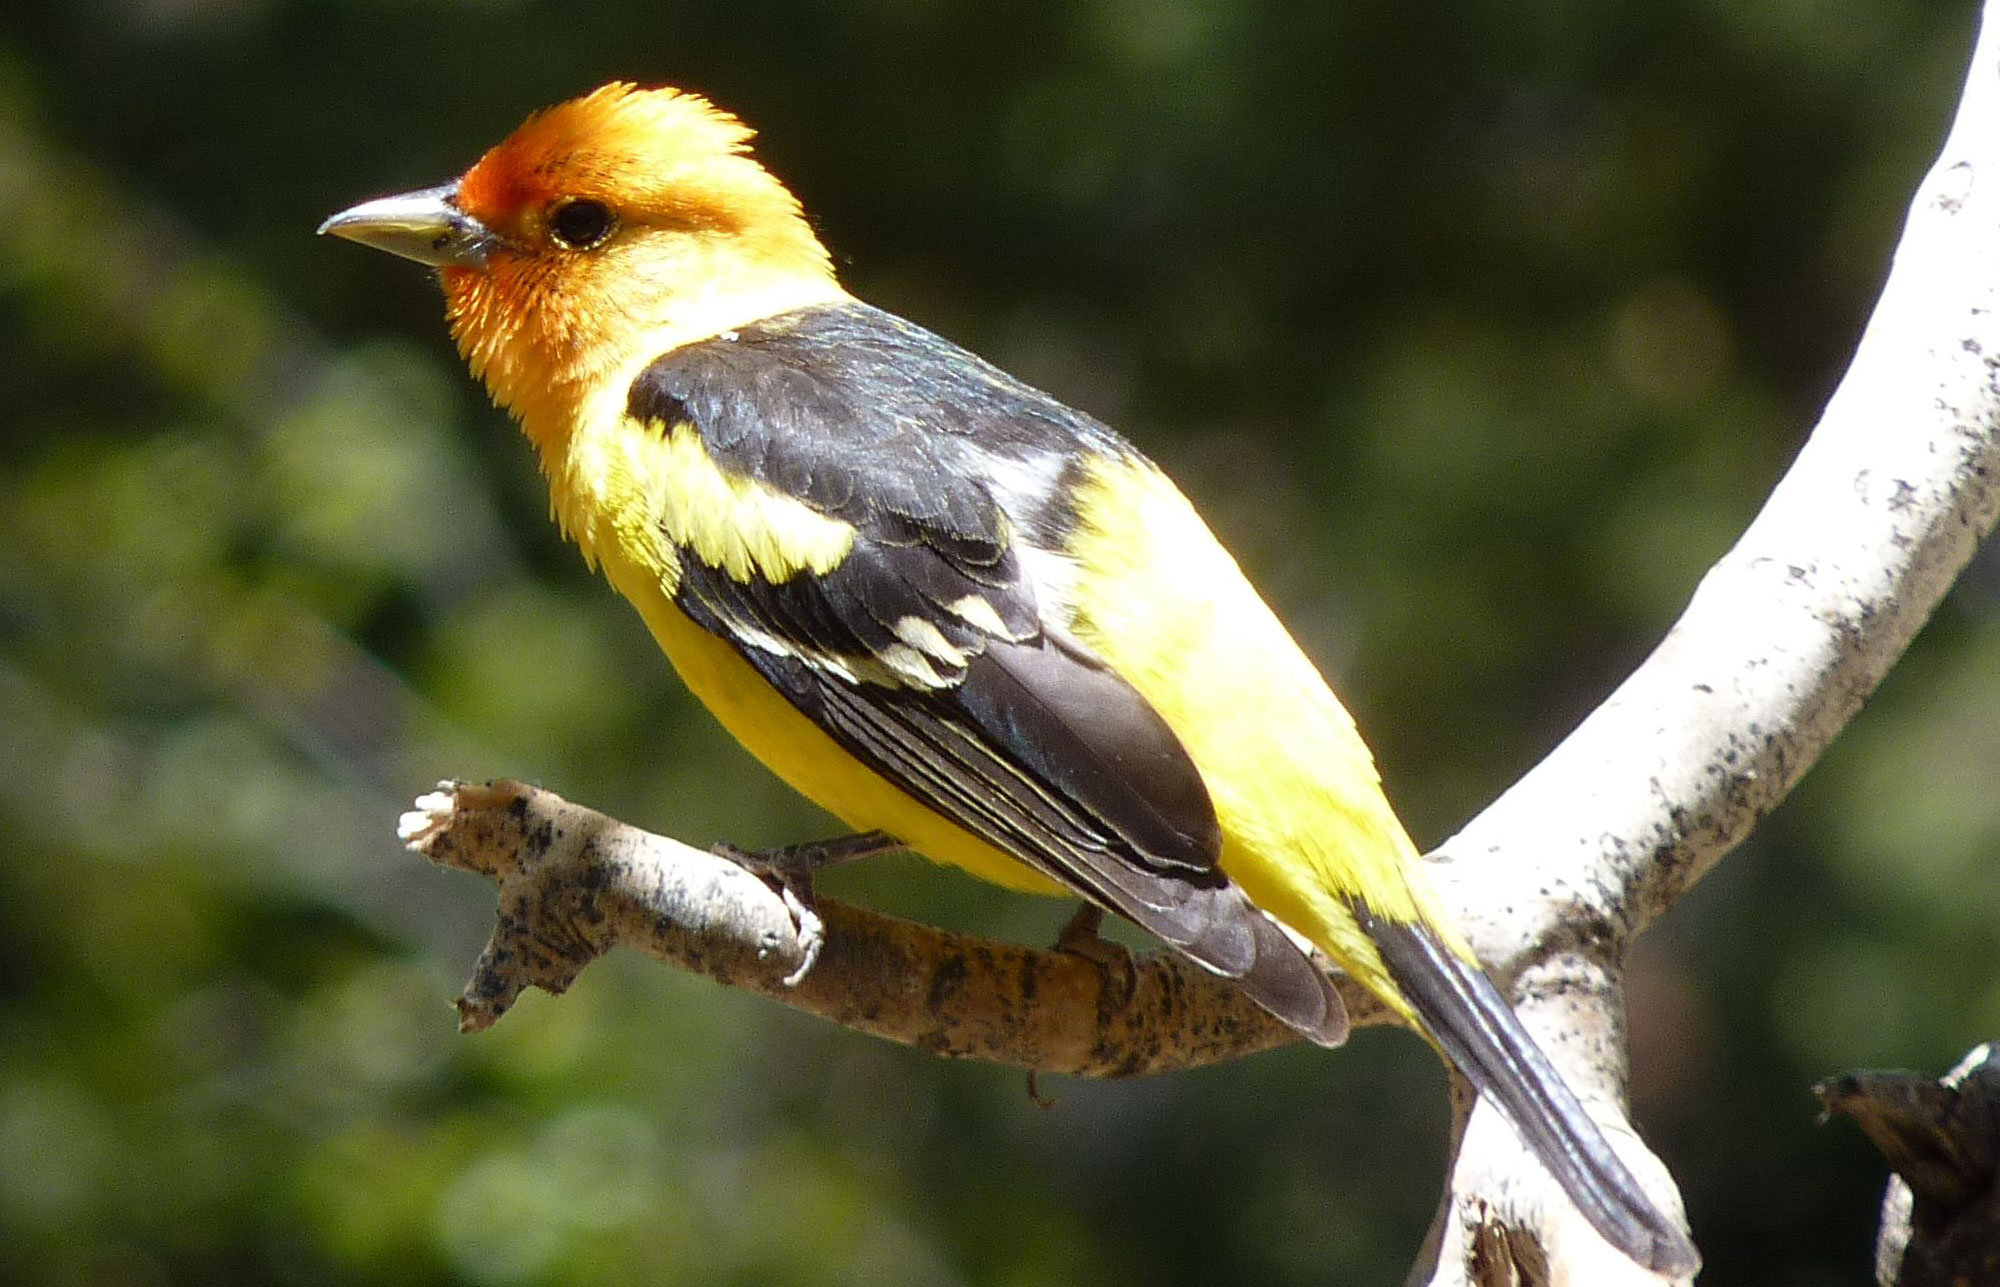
(937, 601)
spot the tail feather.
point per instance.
(1473, 1025)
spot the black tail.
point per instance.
(1465, 1014)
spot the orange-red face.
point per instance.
(623, 218)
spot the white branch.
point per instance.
(1783, 641)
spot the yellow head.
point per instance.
(602, 232)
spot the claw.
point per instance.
(812, 930)
(789, 870)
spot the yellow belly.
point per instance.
(794, 748)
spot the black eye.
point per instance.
(581, 224)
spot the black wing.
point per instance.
(925, 654)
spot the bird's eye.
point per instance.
(581, 224)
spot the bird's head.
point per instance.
(602, 232)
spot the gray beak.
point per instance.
(426, 226)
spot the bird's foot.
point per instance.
(1079, 937)
(789, 869)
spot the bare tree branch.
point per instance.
(574, 883)
(1781, 644)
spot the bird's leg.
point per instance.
(803, 861)
(1079, 937)
(790, 870)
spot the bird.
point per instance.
(959, 615)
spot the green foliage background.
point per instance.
(1478, 329)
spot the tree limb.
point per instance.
(1784, 639)
(1780, 645)
(574, 883)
